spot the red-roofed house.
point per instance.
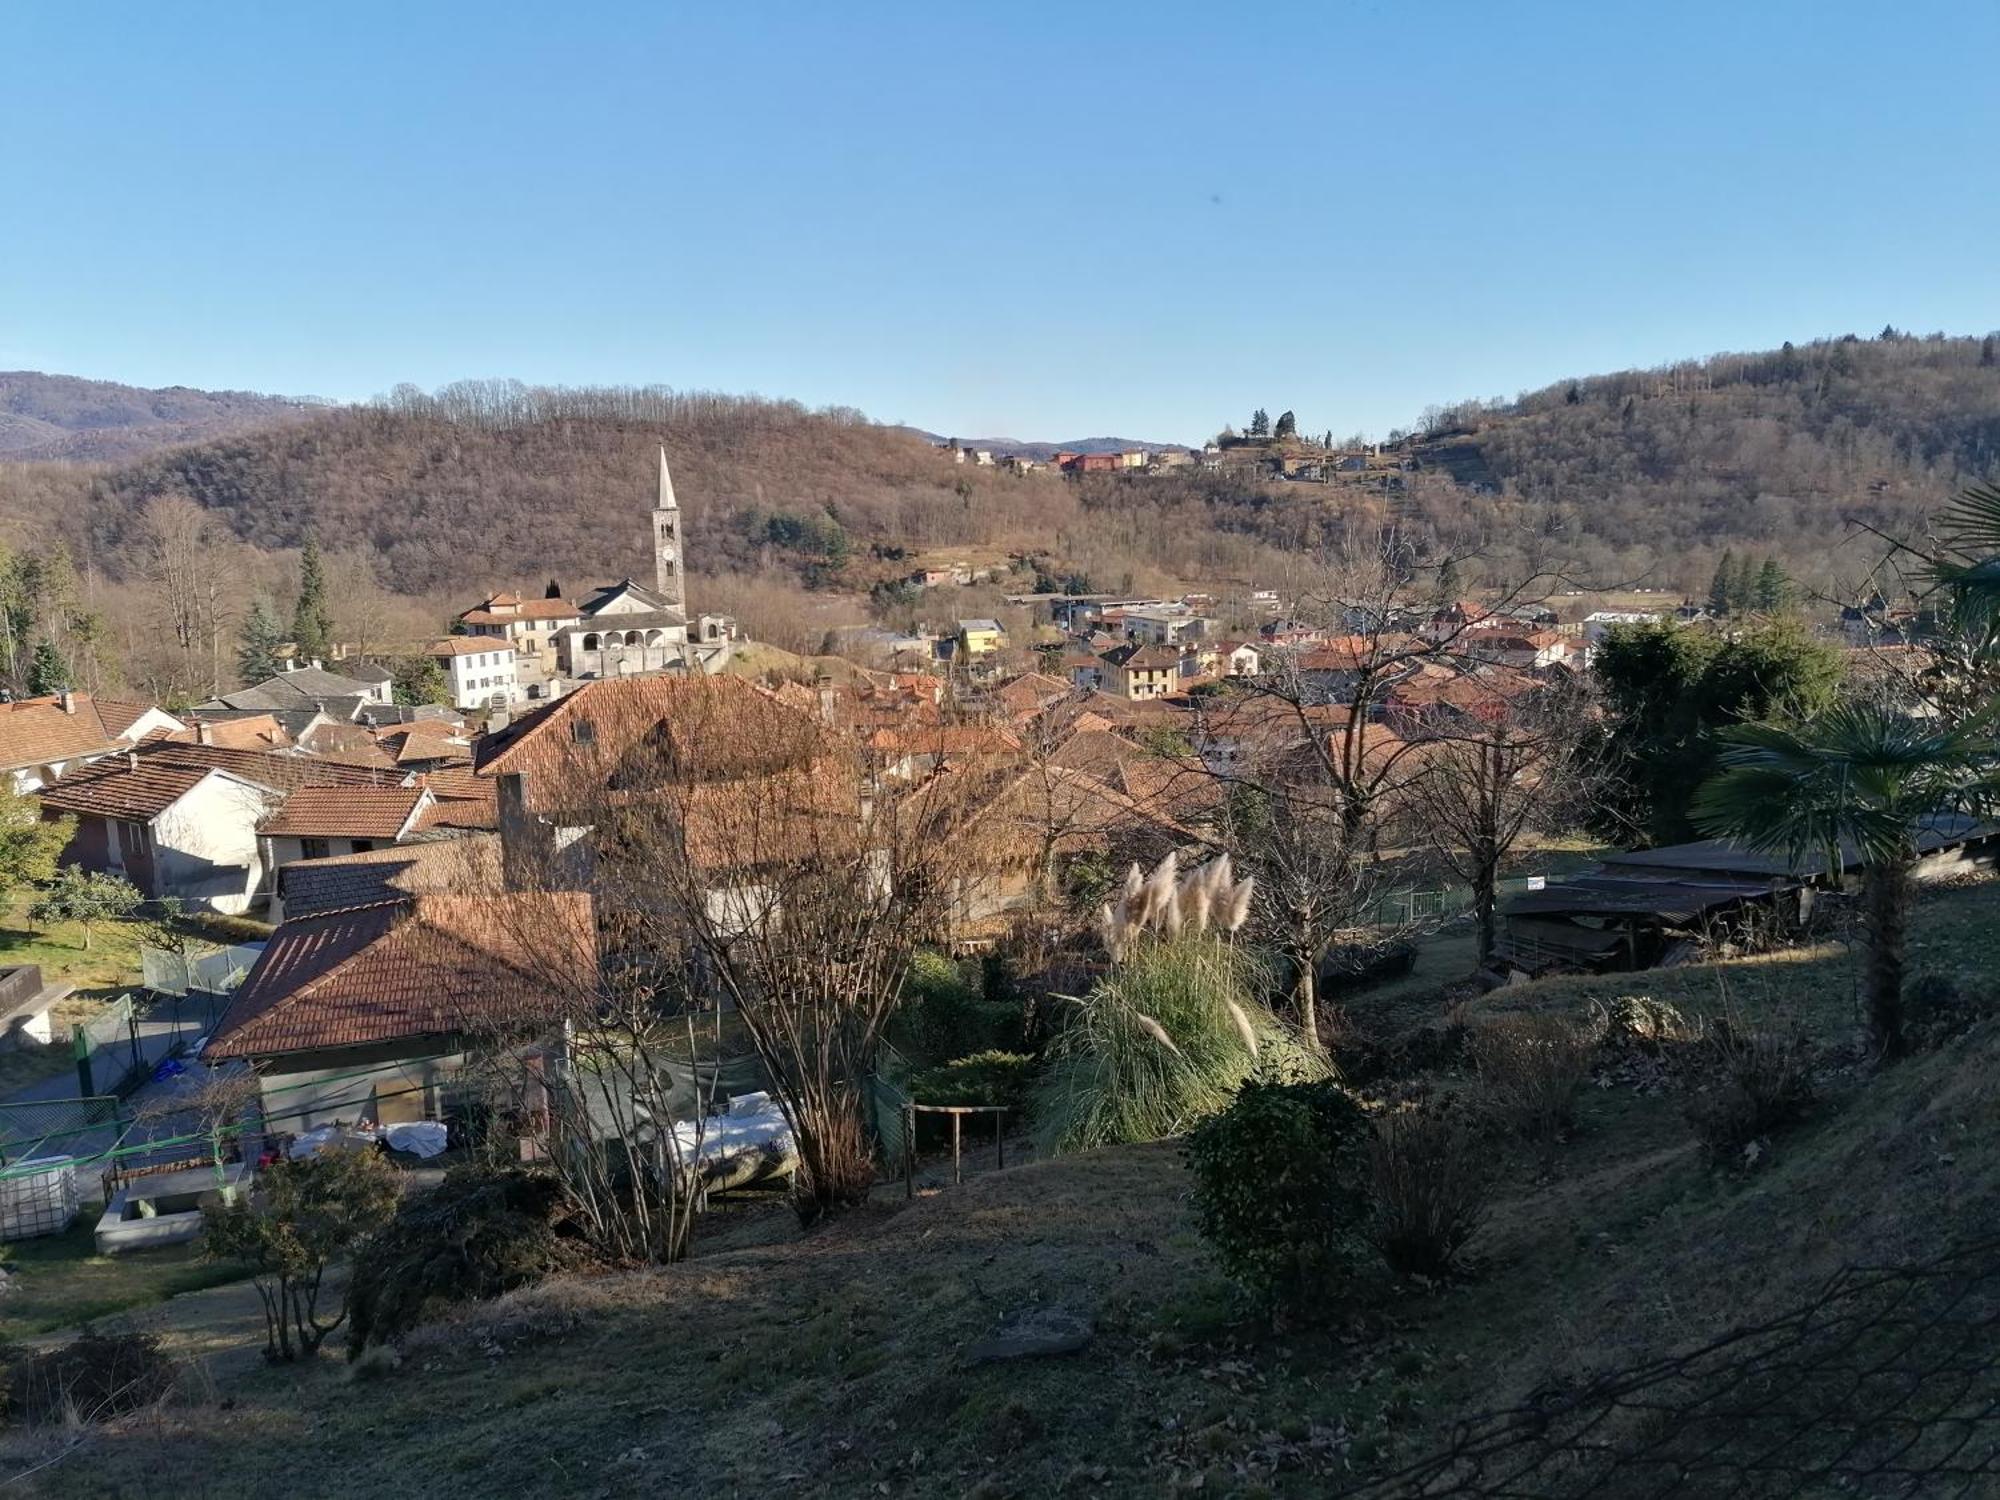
(363, 1013)
(42, 739)
(317, 821)
(172, 829)
(528, 625)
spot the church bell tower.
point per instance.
(668, 580)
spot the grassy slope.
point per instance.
(60, 1281)
(107, 969)
(832, 1366)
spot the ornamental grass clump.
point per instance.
(1170, 1033)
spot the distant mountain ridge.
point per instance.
(68, 417)
(1016, 447)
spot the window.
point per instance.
(582, 731)
(314, 849)
(590, 643)
(362, 846)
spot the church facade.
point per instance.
(626, 628)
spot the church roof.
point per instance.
(624, 589)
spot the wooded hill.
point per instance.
(1644, 475)
(63, 417)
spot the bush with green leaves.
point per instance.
(947, 1012)
(306, 1215)
(1281, 1190)
(1161, 1042)
(85, 897)
(479, 1233)
(991, 1077)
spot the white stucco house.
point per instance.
(482, 671)
(172, 830)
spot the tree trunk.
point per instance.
(1306, 998)
(1885, 891)
(1485, 903)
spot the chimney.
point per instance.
(204, 732)
(67, 700)
(131, 760)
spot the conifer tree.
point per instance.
(1288, 425)
(1721, 593)
(1774, 589)
(312, 620)
(1743, 589)
(257, 646)
(48, 673)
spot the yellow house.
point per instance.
(980, 637)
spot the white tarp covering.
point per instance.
(422, 1138)
(749, 1141)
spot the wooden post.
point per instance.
(909, 1151)
(957, 1170)
(999, 1140)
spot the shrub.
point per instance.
(946, 1012)
(1429, 1186)
(306, 1215)
(1280, 1188)
(1762, 1082)
(92, 1379)
(1533, 1068)
(232, 929)
(1162, 1041)
(479, 1233)
(990, 1077)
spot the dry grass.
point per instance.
(833, 1365)
(1532, 1068)
(1430, 1183)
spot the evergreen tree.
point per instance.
(1574, 395)
(419, 680)
(257, 646)
(1288, 425)
(312, 620)
(1774, 589)
(553, 591)
(1986, 353)
(1722, 591)
(1449, 583)
(1743, 588)
(48, 673)
(1260, 423)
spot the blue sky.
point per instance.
(1046, 221)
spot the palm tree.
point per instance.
(1967, 566)
(1856, 781)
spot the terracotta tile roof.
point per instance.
(345, 812)
(944, 739)
(284, 771)
(1148, 658)
(468, 645)
(36, 731)
(118, 715)
(467, 866)
(531, 609)
(723, 724)
(422, 749)
(239, 732)
(113, 788)
(435, 965)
